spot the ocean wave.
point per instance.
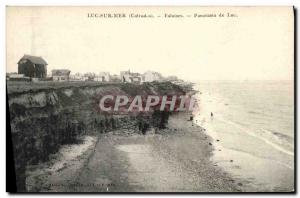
(278, 138)
(265, 138)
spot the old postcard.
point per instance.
(150, 99)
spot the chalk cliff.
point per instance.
(44, 118)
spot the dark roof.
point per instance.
(34, 59)
(60, 72)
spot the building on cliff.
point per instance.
(32, 66)
(151, 76)
(90, 76)
(76, 77)
(127, 76)
(102, 77)
(17, 77)
(61, 74)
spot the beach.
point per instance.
(252, 124)
(219, 152)
(175, 159)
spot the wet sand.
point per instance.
(176, 159)
(246, 129)
(256, 160)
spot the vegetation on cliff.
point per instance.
(45, 117)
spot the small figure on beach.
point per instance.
(211, 114)
(191, 118)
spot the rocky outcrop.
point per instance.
(44, 119)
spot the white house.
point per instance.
(60, 74)
(127, 76)
(151, 76)
(102, 77)
(76, 77)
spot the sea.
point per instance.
(252, 125)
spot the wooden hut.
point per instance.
(32, 66)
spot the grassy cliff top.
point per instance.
(14, 87)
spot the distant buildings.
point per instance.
(89, 76)
(136, 78)
(32, 66)
(16, 77)
(102, 77)
(127, 76)
(76, 77)
(60, 74)
(151, 76)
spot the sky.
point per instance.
(255, 45)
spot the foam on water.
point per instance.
(245, 130)
(250, 119)
(267, 114)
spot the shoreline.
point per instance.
(263, 167)
(188, 156)
(175, 159)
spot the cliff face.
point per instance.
(43, 119)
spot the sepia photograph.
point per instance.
(151, 99)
